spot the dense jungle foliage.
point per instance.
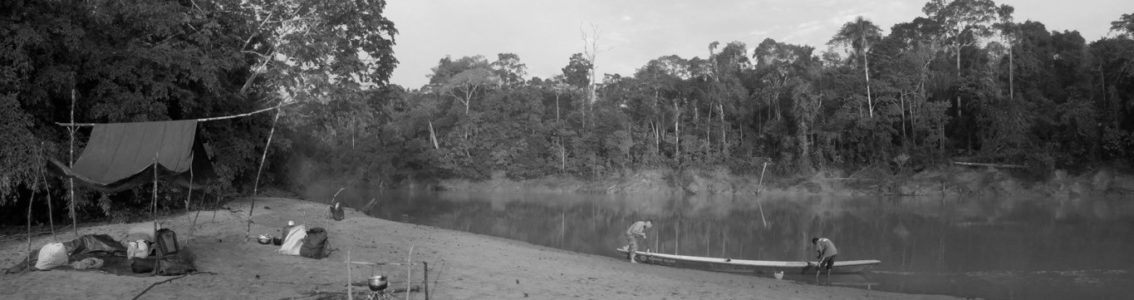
(965, 80)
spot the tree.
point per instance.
(316, 49)
(509, 69)
(1124, 25)
(465, 85)
(447, 68)
(805, 108)
(860, 35)
(1008, 33)
(578, 71)
(963, 23)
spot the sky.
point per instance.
(545, 33)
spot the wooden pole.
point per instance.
(153, 215)
(189, 197)
(724, 242)
(708, 239)
(31, 200)
(50, 218)
(409, 271)
(73, 124)
(153, 206)
(676, 236)
(256, 183)
(71, 164)
(657, 240)
(216, 206)
(50, 210)
(349, 290)
(425, 272)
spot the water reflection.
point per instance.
(972, 247)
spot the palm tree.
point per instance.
(860, 34)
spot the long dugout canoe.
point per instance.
(747, 266)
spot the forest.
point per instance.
(965, 81)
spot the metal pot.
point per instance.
(377, 283)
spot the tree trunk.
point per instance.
(724, 130)
(468, 100)
(1011, 75)
(866, 71)
(657, 136)
(902, 104)
(709, 133)
(958, 81)
(433, 136)
(676, 131)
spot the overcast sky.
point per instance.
(545, 33)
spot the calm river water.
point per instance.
(972, 247)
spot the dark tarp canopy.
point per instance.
(119, 156)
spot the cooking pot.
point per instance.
(377, 283)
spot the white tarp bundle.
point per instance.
(294, 240)
(51, 255)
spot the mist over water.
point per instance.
(973, 247)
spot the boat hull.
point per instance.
(747, 266)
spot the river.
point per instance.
(968, 247)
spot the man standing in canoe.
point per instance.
(827, 253)
(636, 230)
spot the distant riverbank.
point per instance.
(949, 182)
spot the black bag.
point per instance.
(315, 244)
(174, 265)
(166, 242)
(143, 265)
(168, 266)
(337, 212)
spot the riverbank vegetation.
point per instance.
(963, 82)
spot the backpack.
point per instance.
(315, 244)
(166, 242)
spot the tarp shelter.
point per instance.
(119, 156)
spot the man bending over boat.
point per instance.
(636, 230)
(827, 253)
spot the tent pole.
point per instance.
(71, 164)
(153, 209)
(31, 200)
(153, 214)
(50, 218)
(189, 198)
(256, 183)
(216, 205)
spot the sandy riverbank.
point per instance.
(462, 265)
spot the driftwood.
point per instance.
(973, 164)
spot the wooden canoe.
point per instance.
(731, 265)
